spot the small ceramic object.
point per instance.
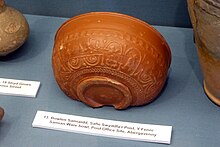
(1, 113)
(205, 17)
(105, 58)
(14, 29)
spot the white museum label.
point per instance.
(19, 87)
(103, 127)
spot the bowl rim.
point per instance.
(120, 15)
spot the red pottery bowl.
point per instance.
(105, 58)
(1, 113)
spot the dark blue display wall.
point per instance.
(155, 12)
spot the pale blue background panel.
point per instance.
(182, 103)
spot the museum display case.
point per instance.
(181, 104)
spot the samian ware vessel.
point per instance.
(105, 58)
(1, 113)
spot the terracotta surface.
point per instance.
(104, 58)
(205, 16)
(14, 29)
(1, 113)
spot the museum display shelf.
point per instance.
(182, 103)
